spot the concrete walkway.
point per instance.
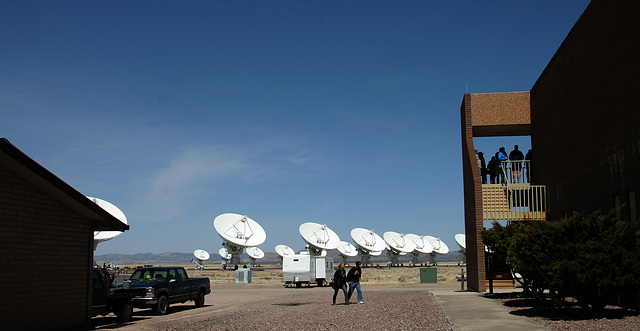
(472, 311)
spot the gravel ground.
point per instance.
(272, 307)
(398, 307)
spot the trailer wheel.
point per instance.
(124, 311)
(199, 301)
(162, 306)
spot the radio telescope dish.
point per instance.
(368, 243)
(397, 244)
(346, 251)
(254, 253)
(439, 247)
(319, 237)
(238, 232)
(201, 256)
(422, 246)
(367, 240)
(101, 236)
(375, 253)
(284, 250)
(224, 254)
(461, 240)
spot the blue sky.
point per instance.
(345, 113)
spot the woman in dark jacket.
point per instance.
(340, 282)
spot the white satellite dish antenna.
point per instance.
(225, 256)
(254, 253)
(423, 246)
(461, 240)
(439, 247)
(368, 243)
(238, 232)
(284, 250)
(397, 244)
(375, 253)
(347, 250)
(101, 236)
(319, 237)
(201, 256)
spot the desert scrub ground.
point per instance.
(272, 274)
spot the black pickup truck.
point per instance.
(107, 298)
(167, 285)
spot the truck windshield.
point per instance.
(148, 275)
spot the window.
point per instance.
(182, 274)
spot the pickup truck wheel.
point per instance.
(124, 312)
(162, 306)
(199, 301)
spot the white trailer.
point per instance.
(301, 269)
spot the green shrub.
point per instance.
(593, 258)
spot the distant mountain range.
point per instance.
(269, 258)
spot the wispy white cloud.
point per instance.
(197, 170)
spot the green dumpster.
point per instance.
(428, 275)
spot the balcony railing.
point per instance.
(512, 172)
(514, 198)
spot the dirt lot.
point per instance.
(272, 274)
(232, 306)
(265, 304)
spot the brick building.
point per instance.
(584, 124)
(46, 246)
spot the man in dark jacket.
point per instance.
(340, 283)
(516, 166)
(353, 279)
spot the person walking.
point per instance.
(353, 278)
(340, 282)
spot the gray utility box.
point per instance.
(243, 275)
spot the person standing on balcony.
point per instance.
(483, 167)
(515, 156)
(491, 169)
(501, 156)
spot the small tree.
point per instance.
(592, 258)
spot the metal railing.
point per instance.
(511, 172)
(512, 197)
(518, 202)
